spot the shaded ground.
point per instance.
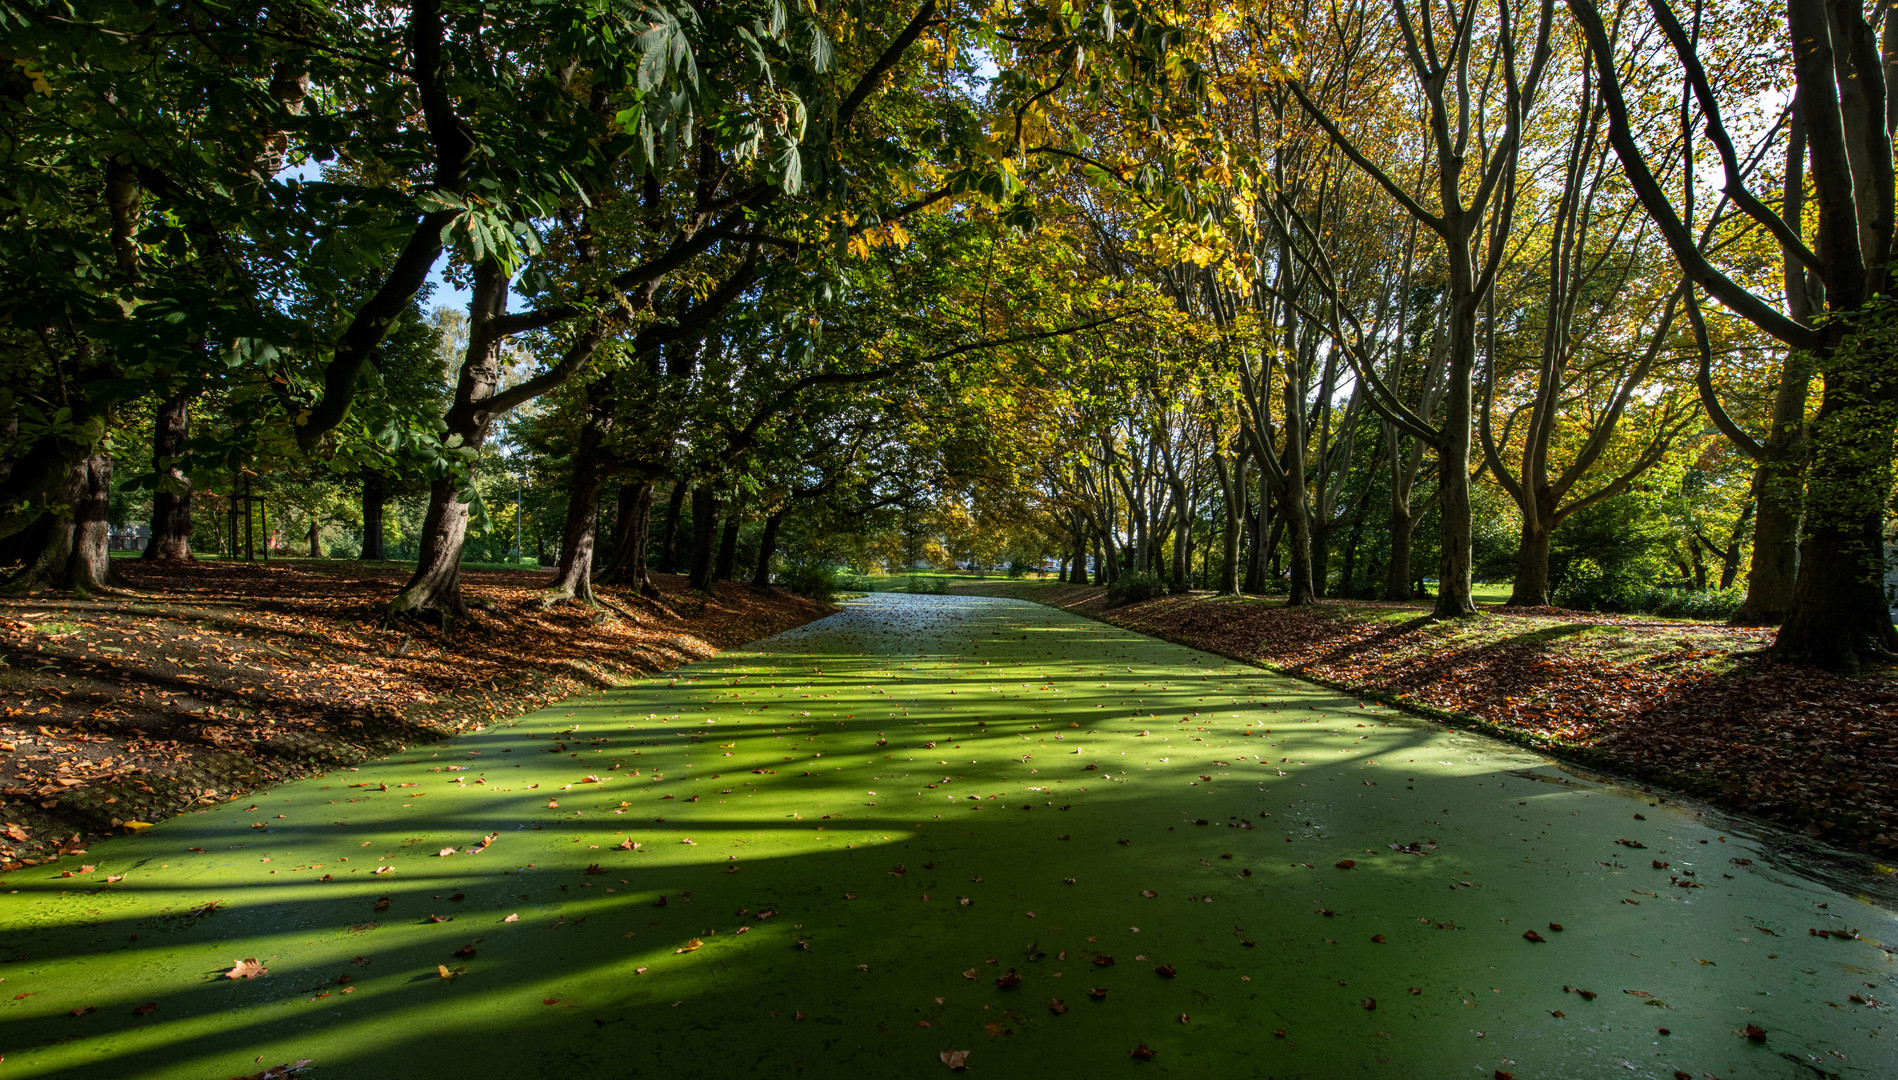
(195, 685)
(1668, 699)
(935, 825)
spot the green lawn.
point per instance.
(939, 824)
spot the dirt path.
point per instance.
(936, 825)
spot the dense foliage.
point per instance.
(1354, 301)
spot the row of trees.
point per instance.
(1523, 246)
(1117, 280)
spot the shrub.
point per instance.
(1590, 587)
(1136, 585)
(934, 586)
(816, 581)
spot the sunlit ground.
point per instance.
(914, 828)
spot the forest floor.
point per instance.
(1688, 704)
(191, 686)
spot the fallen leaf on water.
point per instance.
(1556, 926)
(1369, 1004)
(1007, 979)
(1057, 1006)
(1148, 893)
(1754, 1032)
(690, 946)
(146, 1009)
(382, 904)
(1103, 960)
(955, 1059)
(247, 968)
(1143, 1052)
(512, 918)
(1531, 935)
(1098, 993)
(1379, 938)
(1165, 971)
(1346, 864)
(445, 852)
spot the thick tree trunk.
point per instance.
(704, 538)
(669, 536)
(1453, 472)
(375, 492)
(171, 499)
(1101, 576)
(573, 577)
(1298, 535)
(436, 583)
(767, 547)
(632, 531)
(1839, 614)
(1532, 566)
(75, 554)
(315, 536)
(727, 548)
(1779, 483)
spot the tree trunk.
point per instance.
(1779, 483)
(632, 531)
(669, 536)
(314, 535)
(1298, 533)
(75, 554)
(573, 579)
(171, 499)
(1453, 470)
(727, 548)
(1532, 566)
(704, 538)
(436, 583)
(1839, 612)
(767, 547)
(375, 492)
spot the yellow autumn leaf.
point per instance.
(137, 825)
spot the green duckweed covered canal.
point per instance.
(942, 824)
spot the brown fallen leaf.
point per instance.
(1008, 979)
(1754, 1032)
(1098, 993)
(1165, 971)
(247, 968)
(146, 1009)
(1531, 935)
(1143, 1052)
(957, 1060)
(512, 918)
(1346, 864)
(1057, 1006)
(690, 946)
(553, 804)
(1369, 1004)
